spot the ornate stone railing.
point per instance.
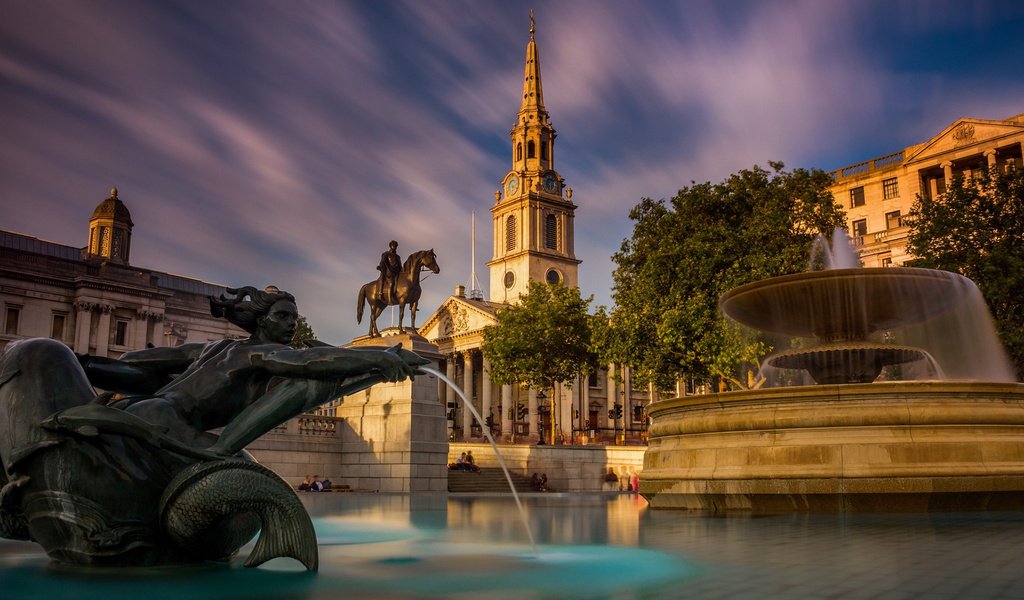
(318, 425)
(868, 165)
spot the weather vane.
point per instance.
(532, 23)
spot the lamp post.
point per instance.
(540, 421)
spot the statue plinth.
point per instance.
(394, 435)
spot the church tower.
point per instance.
(110, 231)
(533, 210)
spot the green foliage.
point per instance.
(303, 332)
(684, 254)
(976, 228)
(544, 339)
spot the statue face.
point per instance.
(278, 326)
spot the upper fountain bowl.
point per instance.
(844, 304)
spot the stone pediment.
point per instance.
(964, 133)
(457, 316)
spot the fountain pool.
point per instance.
(591, 546)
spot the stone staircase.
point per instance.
(487, 480)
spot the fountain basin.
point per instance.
(891, 446)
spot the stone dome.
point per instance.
(113, 208)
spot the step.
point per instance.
(486, 480)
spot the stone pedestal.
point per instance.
(393, 435)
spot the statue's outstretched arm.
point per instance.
(328, 362)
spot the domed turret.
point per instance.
(110, 231)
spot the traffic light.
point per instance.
(618, 410)
(521, 408)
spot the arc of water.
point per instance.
(494, 445)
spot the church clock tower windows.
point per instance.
(533, 217)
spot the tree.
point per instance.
(303, 333)
(976, 228)
(543, 340)
(684, 254)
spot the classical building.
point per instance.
(878, 193)
(532, 216)
(93, 299)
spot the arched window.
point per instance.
(519, 151)
(510, 233)
(551, 232)
(544, 151)
(531, 149)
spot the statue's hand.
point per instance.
(397, 364)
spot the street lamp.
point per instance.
(540, 422)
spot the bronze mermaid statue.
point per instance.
(133, 476)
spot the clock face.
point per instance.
(513, 184)
(550, 183)
(553, 277)
(510, 279)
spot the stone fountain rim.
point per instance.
(844, 276)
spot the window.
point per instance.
(893, 220)
(592, 379)
(519, 151)
(544, 151)
(11, 321)
(890, 189)
(510, 233)
(553, 277)
(887, 261)
(531, 149)
(860, 229)
(121, 333)
(57, 326)
(857, 197)
(551, 232)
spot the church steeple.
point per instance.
(533, 93)
(533, 210)
(533, 138)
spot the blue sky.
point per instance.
(285, 143)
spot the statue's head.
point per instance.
(393, 245)
(270, 314)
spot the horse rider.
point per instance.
(390, 266)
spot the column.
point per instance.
(990, 156)
(83, 320)
(585, 402)
(449, 372)
(103, 330)
(947, 172)
(485, 391)
(467, 387)
(506, 406)
(141, 326)
(532, 417)
(627, 401)
(613, 394)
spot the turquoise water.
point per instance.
(589, 546)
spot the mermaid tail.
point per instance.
(208, 510)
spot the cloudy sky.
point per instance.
(260, 142)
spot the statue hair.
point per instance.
(247, 305)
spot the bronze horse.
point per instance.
(407, 290)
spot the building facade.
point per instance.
(92, 298)
(533, 221)
(877, 194)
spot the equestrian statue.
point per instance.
(396, 287)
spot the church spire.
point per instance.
(533, 95)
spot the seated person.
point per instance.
(304, 486)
